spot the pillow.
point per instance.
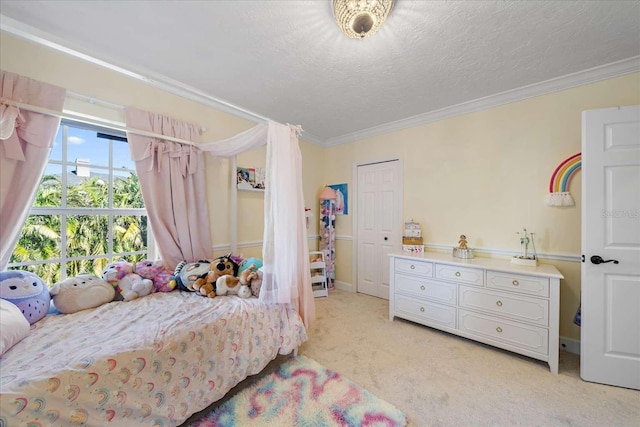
(13, 325)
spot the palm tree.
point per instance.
(86, 235)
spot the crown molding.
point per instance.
(614, 69)
(603, 72)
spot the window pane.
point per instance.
(86, 266)
(87, 187)
(50, 191)
(87, 235)
(126, 190)
(39, 239)
(56, 151)
(122, 156)
(85, 145)
(129, 233)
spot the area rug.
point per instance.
(304, 393)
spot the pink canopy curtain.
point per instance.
(26, 139)
(172, 179)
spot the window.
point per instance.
(88, 210)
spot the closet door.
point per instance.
(379, 221)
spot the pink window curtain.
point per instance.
(172, 179)
(26, 139)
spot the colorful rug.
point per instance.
(303, 393)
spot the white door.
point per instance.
(378, 224)
(610, 331)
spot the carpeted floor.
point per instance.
(438, 379)
(305, 394)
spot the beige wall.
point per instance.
(486, 174)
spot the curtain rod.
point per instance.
(109, 124)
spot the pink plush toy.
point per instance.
(129, 284)
(156, 272)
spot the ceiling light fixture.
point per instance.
(361, 18)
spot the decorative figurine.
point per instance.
(463, 251)
(462, 242)
(526, 238)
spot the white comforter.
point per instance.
(153, 361)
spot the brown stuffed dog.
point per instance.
(219, 267)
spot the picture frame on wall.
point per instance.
(250, 179)
(342, 198)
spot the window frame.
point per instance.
(64, 211)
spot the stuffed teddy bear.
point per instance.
(129, 284)
(186, 273)
(27, 291)
(81, 292)
(240, 286)
(223, 266)
(155, 271)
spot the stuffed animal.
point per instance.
(256, 284)
(129, 284)
(219, 267)
(156, 272)
(248, 262)
(231, 285)
(187, 273)
(81, 292)
(27, 291)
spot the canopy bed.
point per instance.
(161, 358)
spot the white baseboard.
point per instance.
(343, 286)
(570, 345)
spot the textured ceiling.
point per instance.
(288, 61)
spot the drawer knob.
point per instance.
(413, 267)
(422, 309)
(515, 283)
(499, 329)
(457, 274)
(499, 303)
(422, 287)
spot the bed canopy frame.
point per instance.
(285, 232)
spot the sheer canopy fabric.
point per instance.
(27, 138)
(172, 179)
(285, 249)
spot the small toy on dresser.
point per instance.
(412, 237)
(528, 259)
(463, 251)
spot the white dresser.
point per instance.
(491, 301)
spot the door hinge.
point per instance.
(582, 258)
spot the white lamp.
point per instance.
(361, 18)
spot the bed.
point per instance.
(152, 361)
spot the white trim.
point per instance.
(507, 252)
(343, 237)
(247, 244)
(603, 72)
(344, 286)
(570, 345)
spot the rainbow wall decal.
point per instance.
(559, 184)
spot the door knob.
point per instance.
(597, 259)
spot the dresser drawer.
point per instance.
(528, 337)
(472, 276)
(414, 267)
(530, 285)
(425, 312)
(514, 306)
(441, 292)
